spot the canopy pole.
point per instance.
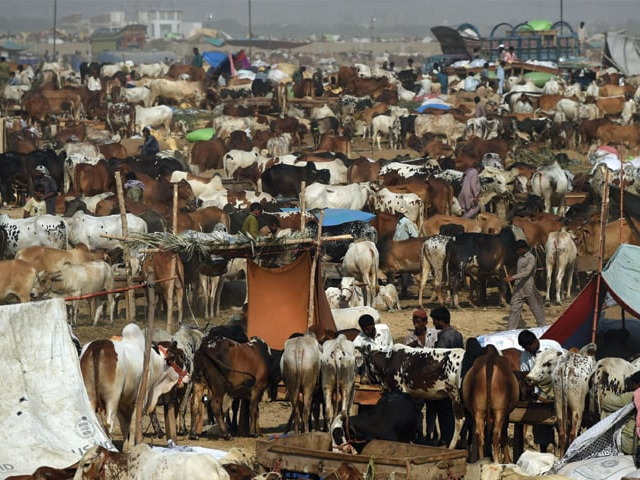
(303, 205)
(141, 398)
(314, 265)
(623, 152)
(603, 225)
(126, 251)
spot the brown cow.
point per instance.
(17, 278)
(490, 392)
(240, 370)
(159, 192)
(76, 133)
(93, 179)
(538, 226)
(360, 87)
(548, 101)
(48, 259)
(288, 125)
(589, 237)
(589, 129)
(37, 107)
(610, 105)
(476, 148)
(363, 169)
(333, 143)
(113, 150)
(207, 155)
(483, 223)
(619, 134)
(238, 140)
(400, 256)
(176, 69)
(161, 265)
(48, 473)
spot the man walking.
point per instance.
(524, 288)
(470, 191)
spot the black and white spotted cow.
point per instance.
(426, 373)
(42, 231)
(569, 374)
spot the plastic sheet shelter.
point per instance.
(620, 279)
(623, 52)
(279, 301)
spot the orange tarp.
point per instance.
(279, 301)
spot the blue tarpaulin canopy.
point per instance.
(214, 58)
(12, 46)
(338, 216)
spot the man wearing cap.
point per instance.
(524, 288)
(50, 188)
(421, 336)
(405, 229)
(502, 53)
(374, 336)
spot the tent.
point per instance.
(623, 52)
(620, 284)
(220, 62)
(45, 415)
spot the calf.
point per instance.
(350, 293)
(393, 418)
(77, 280)
(361, 261)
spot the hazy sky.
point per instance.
(326, 15)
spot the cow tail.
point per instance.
(95, 358)
(489, 374)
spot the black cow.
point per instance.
(480, 256)
(154, 167)
(19, 168)
(334, 250)
(407, 126)
(394, 418)
(532, 204)
(536, 129)
(285, 180)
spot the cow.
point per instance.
(47, 259)
(361, 261)
(300, 367)
(177, 91)
(569, 375)
(239, 370)
(561, 253)
(445, 125)
(87, 229)
(616, 232)
(480, 256)
(432, 258)
(393, 418)
(537, 227)
(606, 385)
(44, 231)
(286, 180)
(425, 373)
(347, 318)
(112, 373)
(338, 371)
(385, 126)
(352, 197)
(483, 223)
(619, 134)
(236, 159)
(386, 201)
(78, 280)
(550, 183)
(141, 462)
(17, 279)
(351, 294)
(207, 155)
(165, 265)
(490, 392)
(159, 116)
(387, 298)
(121, 118)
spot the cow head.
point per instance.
(541, 372)
(340, 437)
(47, 283)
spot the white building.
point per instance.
(162, 22)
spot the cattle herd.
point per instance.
(294, 148)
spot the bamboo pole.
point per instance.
(140, 399)
(303, 205)
(603, 224)
(115, 290)
(623, 153)
(172, 271)
(312, 280)
(126, 251)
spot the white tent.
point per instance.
(45, 416)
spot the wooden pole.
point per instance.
(303, 205)
(126, 251)
(312, 280)
(623, 153)
(603, 225)
(172, 272)
(140, 399)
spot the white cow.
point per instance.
(76, 280)
(112, 372)
(154, 117)
(361, 262)
(235, 159)
(152, 70)
(560, 252)
(338, 369)
(385, 126)
(550, 183)
(136, 95)
(14, 93)
(143, 463)
(87, 229)
(333, 297)
(387, 298)
(432, 256)
(43, 231)
(300, 367)
(389, 202)
(351, 294)
(347, 318)
(352, 197)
